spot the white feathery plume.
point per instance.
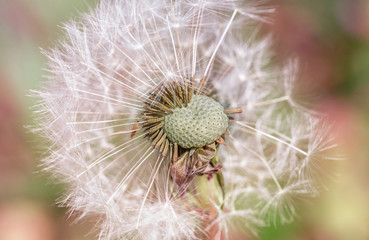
(101, 78)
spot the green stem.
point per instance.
(212, 191)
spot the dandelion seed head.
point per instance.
(125, 79)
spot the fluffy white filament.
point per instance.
(115, 56)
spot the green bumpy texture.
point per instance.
(200, 123)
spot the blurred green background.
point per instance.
(330, 37)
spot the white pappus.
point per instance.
(124, 67)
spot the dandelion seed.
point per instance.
(170, 121)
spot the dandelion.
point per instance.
(169, 120)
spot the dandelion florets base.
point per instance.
(200, 123)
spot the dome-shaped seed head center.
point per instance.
(200, 123)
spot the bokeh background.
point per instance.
(331, 39)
